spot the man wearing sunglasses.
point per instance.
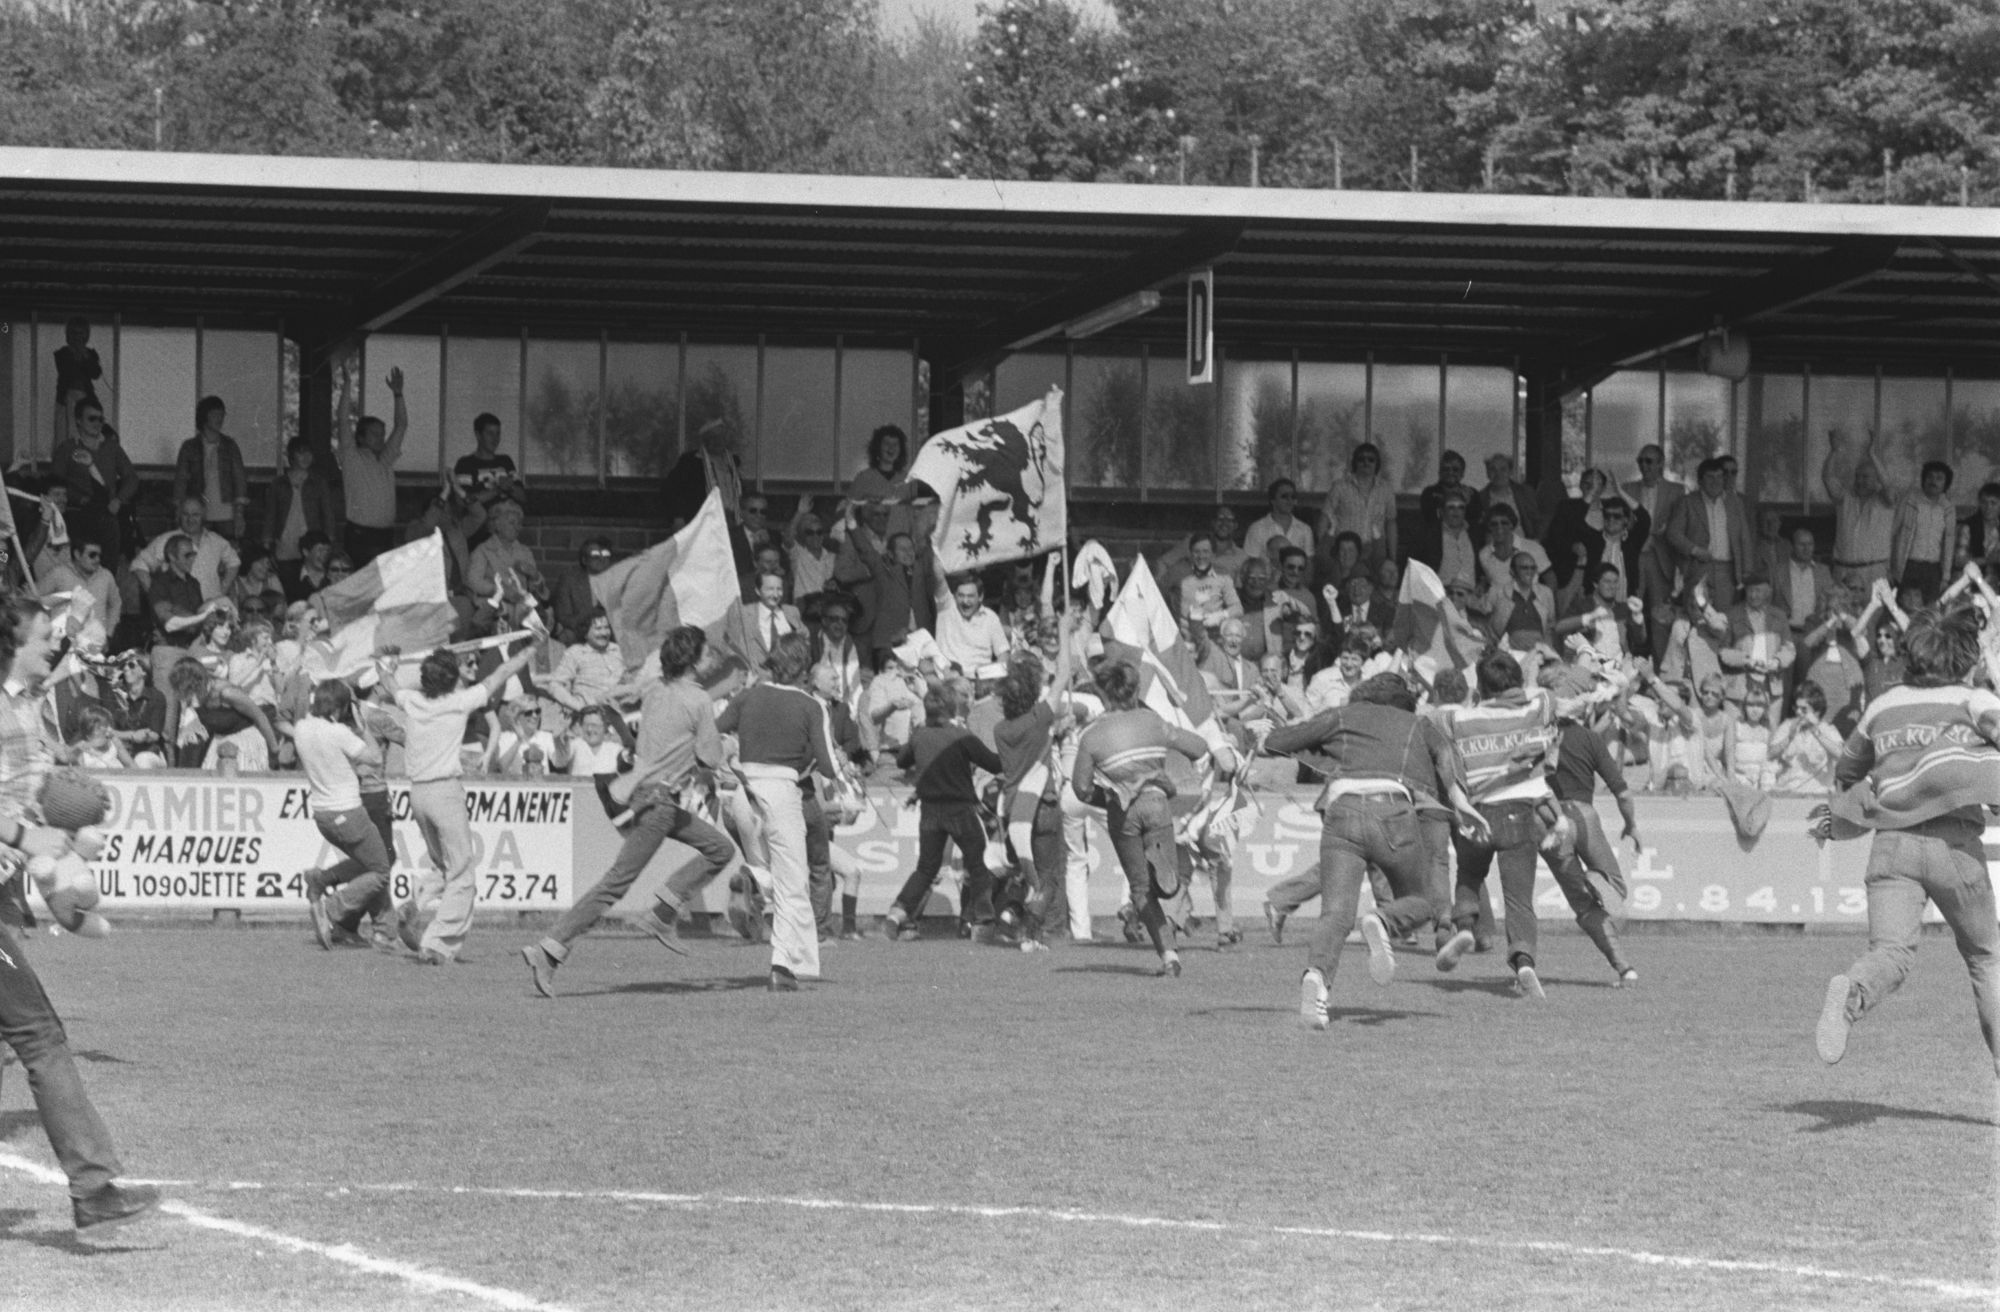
(1651, 496)
(101, 479)
(83, 571)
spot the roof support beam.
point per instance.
(465, 257)
(1788, 284)
(984, 346)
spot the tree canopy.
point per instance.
(1860, 100)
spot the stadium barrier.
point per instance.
(199, 843)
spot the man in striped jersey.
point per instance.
(1508, 743)
(1920, 770)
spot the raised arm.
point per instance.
(398, 429)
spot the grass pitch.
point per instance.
(940, 1126)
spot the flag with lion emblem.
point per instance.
(1000, 487)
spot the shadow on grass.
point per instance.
(1842, 1113)
(1500, 986)
(13, 1229)
(671, 987)
(1148, 971)
(1379, 1015)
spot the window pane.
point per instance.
(1406, 424)
(156, 392)
(559, 430)
(1913, 429)
(1479, 417)
(1697, 422)
(798, 434)
(242, 369)
(1774, 437)
(1104, 450)
(20, 367)
(1257, 442)
(1975, 436)
(876, 388)
(722, 389)
(1332, 402)
(1624, 416)
(482, 376)
(1180, 427)
(418, 358)
(641, 408)
(1840, 417)
(1020, 379)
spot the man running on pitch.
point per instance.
(1384, 756)
(678, 743)
(1920, 770)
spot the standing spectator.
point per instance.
(1864, 519)
(894, 702)
(1926, 531)
(258, 588)
(1801, 585)
(1451, 478)
(102, 482)
(1759, 653)
(1207, 597)
(368, 475)
(215, 562)
(210, 469)
(1503, 489)
(486, 476)
(812, 561)
(1709, 536)
(768, 618)
(575, 603)
(1769, 550)
(885, 481)
(1448, 546)
(504, 572)
(835, 648)
(896, 592)
(1229, 557)
(314, 569)
(1578, 520)
(1982, 531)
(969, 635)
(77, 373)
(1363, 503)
(1281, 527)
(1262, 614)
(299, 501)
(1653, 496)
(1503, 543)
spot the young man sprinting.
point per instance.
(1920, 770)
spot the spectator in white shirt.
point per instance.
(969, 635)
(1926, 533)
(1362, 503)
(1207, 596)
(1279, 528)
(215, 561)
(812, 562)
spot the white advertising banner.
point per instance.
(211, 842)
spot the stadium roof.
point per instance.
(334, 247)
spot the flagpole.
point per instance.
(14, 536)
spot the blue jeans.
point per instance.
(1356, 832)
(1517, 834)
(29, 1024)
(359, 884)
(656, 818)
(1942, 861)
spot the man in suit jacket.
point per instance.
(768, 618)
(1652, 495)
(1709, 538)
(1760, 648)
(1802, 586)
(1451, 545)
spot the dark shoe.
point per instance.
(1481, 944)
(893, 925)
(348, 938)
(984, 936)
(1134, 931)
(112, 1206)
(383, 940)
(1452, 949)
(1276, 920)
(1170, 965)
(1381, 957)
(1833, 1020)
(667, 933)
(314, 882)
(321, 922)
(1229, 938)
(783, 981)
(432, 957)
(407, 928)
(542, 968)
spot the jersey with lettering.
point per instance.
(1920, 753)
(1508, 744)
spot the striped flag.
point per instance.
(1169, 680)
(399, 599)
(688, 579)
(1427, 625)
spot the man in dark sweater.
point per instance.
(1581, 760)
(940, 758)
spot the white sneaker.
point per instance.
(1530, 983)
(1312, 1000)
(1455, 948)
(1381, 957)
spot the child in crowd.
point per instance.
(1805, 747)
(96, 749)
(1746, 743)
(589, 750)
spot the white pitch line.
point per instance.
(430, 1282)
(1547, 1247)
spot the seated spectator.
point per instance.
(337, 569)
(504, 575)
(591, 672)
(834, 647)
(138, 709)
(1272, 698)
(969, 635)
(1207, 597)
(1229, 558)
(575, 603)
(1022, 612)
(523, 743)
(258, 587)
(251, 664)
(222, 715)
(212, 561)
(894, 705)
(1522, 611)
(83, 571)
(811, 560)
(1281, 526)
(97, 746)
(178, 610)
(1293, 581)
(1451, 482)
(299, 501)
(312, 572)
(1805, 747)
(1746, 744)
(1365, 605)
(589, 750)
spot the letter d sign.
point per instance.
(1201, 327)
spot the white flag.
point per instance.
(1000, 487)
